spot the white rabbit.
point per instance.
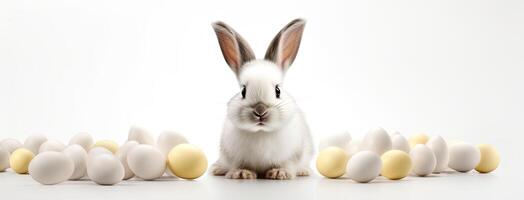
(265, 133)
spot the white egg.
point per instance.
(85, 140)
(97, 151)
(105, 169)
(399, 142)
(10, 144)
(352, 147)
(79, 157)
(33, 142)
(51, 145)
(376, 140)
(51, 167)
(146, 162)
(169, 139)
(394, 133)
(440, 149)
(4, 159)
(340, 139)
(122, 156)
(423, 160)
(463, 157)
(364, 166)
(140, 135)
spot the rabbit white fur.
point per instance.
(265, 133)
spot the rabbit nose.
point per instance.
(259, 109)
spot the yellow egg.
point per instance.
(332, 161)
(20, 159)
(108, 144)
(187, 161)
(419, 138)
(489, 158)
(396, 164)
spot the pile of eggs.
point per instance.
(395, 157)
(104, 161)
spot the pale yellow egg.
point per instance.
(332, 161)
(419, 138)
(396, 164)
(187, 161)
(108, 144)
(20, 159)
(489, 158)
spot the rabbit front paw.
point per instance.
(279, 174)
(241, 174)
(218, 170)
(303, 172)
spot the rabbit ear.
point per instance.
(235, 49)
(284, 47)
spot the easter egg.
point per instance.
(122, 153)
(419, 138)
(352, 147)
(146, 162)
(187, 161)
(51, 167)
(108, 144)
(79, 157)
(97, 151)
(489, 158)
(393, 133)
(440, 149)
(331, 162)
(141, 135)
(10, 144)
(51, 145)
(84, 139)
(463, 157)
(396, 164)
(169, 139)
(399, 142)
(364, 166)
(20, 159)
(423, 160)
(33, 142)
(376, 140)
(4, 159)
(105, 169)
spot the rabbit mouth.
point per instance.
(260, 120)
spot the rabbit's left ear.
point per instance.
(284, 47)
(234, 48)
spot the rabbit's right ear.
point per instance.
(284, 47)
(235, 49)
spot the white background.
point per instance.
(449, 67)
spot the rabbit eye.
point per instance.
(244, 92)
(277, 91)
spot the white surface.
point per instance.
(452, 67)
(438, 187)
